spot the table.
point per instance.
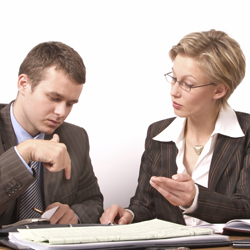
(212, 248)
(4, 248)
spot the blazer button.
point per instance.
(16, 187)
(8, 194)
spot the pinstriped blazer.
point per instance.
(81, 192)
(228, 194)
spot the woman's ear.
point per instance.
(220, 91)
(22, 83)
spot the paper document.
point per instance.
(48, 214)
(45, 217)
(153, 229)
(194, 241)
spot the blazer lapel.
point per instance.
(7, 131)
(224, 149)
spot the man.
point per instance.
(32, 129)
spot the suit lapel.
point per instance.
(7, 131)
(224, 149)
(9, 140)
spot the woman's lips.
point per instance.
(176, 105)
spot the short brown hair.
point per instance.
(218, 55)
(47, 54)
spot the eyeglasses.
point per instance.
(185, 86)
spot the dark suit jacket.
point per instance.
(81, 192)
(228, 194)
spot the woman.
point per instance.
(196, 166)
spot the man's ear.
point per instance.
(23, 83)
(220, 91)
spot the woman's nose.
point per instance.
(175, 89)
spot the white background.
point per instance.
(124, 45)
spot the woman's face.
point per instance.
(199, 101)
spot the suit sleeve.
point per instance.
(142, 204)
(14, 179)
(231, 197)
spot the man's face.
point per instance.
(46, 107)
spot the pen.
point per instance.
(37, 210)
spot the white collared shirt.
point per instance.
(226, 124)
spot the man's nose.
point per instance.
(60, 109)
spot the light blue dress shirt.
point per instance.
(22, 135)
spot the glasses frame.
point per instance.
(181, 82)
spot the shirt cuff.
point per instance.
(79, 221)
(25, 164)
(131, 213)
(194, 205)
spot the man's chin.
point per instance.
(48, 131)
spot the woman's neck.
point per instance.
(199, 129)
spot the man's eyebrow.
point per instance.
(61, 96)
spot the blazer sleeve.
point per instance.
(14, 179)
(230, 198)
(142, 204)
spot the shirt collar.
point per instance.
(226, 124)
(20, 132)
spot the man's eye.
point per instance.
(69, 104)
(54, 99)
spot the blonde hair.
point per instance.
(218, 55)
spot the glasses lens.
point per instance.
(169, 78)
(184, 86)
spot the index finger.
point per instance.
(109, 215)
(67, 172)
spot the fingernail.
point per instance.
(175, 177)
(153, 179)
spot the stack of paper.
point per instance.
(95, 237)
